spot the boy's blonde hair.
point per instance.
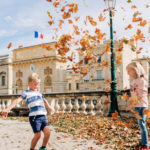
(138, 68)
(33, 77)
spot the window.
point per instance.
(99, 89)
(3, 81)
(85, 61)
(32, 67)
(47, 81)
(77, 86)
(99, 74)
(99, 58)
(69, 86)
(86, 89)
(86, 78)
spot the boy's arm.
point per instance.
(7, 110)
(48, 106)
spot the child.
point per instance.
(139, 98)
(37, 115)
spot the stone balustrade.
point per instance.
(92, 103)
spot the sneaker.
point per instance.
(144, 148)
(42, 148)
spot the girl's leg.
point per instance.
(46, 132)
(142, 125)
(35, 140)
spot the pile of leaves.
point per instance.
(116, 133)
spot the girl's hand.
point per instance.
(128, 108)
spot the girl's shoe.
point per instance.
(144, 148)
(42, 148)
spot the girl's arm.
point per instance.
(7, 110)
(48, 106)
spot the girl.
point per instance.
(139, 98)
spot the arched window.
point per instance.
(3, 80)
(19, 84)
(48, 81)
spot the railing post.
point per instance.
(69, 106)
(106, 106)
(3, 105)
(63, 106)
(91, 107)
(83, 107)
(56, 106)
(76, 106)
(99, 107)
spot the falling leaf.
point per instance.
(143, 23)
(138, 19)
(146, 112)
(56, 3)
(9, 45)
(77, 18)
(147, 6)
(125, 96)
(128, 125)
(49, 0)
(51, 22)
(70, 21)
(107, 89)
(129, 1)
(105, 63)
(20, 46)
(136, 114)
(50, 16)
(101, 18)
(115, 114)
(91, 20)
(108, 81)
(83, 97)
(149, 29)
(49, 48)
(133, 6)
(108, 48)
(107, 101)
(66, 15)
(129, 27)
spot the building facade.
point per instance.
(55, 78)
(5, 74)
(99, 74)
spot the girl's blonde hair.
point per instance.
(33, 77)
(138, 69)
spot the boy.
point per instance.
(37, 115)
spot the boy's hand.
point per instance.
(4, 114)
(52, 110)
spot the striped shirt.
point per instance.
(34, 100)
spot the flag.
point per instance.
(35, 34)
(41, 36)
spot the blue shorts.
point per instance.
(38, 122)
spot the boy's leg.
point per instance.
(46, 132)
(35, 139)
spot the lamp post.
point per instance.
(110, 4)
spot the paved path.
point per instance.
(16, 135)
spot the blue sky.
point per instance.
(20, 18)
